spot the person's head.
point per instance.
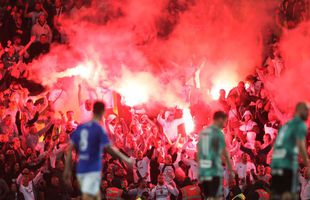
(267, 138)
(58, 3)
(118, 129)
(155, 130)
(60, 165)
(28, 151)
(2, 157)
(222, 94)
(272, 116)
(104, 185)
(124, 183)
(247, 116)
(33, 130)
(88, 104)
(168, 160)
(142, 183)
(220, 119)
(244, 157)
(26, 176)
(62, 138)
(161, 179)
(11, 50)
(70, 115)
(43, 39)
(241, 86)
(29, 104)
(16, 143)
(55, 181)
(42, 19)
(17, 40)
(16, 167)
(261, 170)
(139, 155)
(98, 109)
(38, 7)
(13, 187)
(110, 177)
(263, 93)
(257, 146)
(7, 120)
(302, 111)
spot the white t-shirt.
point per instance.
(143, 166)
(242, 169)
(171, 128)
(27, 191)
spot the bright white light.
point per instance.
(83, 70)
(188, 121)
(226, 80)
(134, 92)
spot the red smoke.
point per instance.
(163, 41)
(294, 84)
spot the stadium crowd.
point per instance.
(34, 136)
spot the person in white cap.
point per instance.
(248, 124)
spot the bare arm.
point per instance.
(23, 51)
(303, 152)
(117, 154)
(227, 160)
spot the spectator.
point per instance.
(42, 28)
(163, 191)
(34, 15)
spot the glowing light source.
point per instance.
(226, 80)
(134, 92)
(83, 70)
(188, 121)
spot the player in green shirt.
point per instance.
(211, 148)
(290, 141)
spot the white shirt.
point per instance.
(247, 126)
(242, 169)
(27, 191)
(162, 192)
(143, 166)
(168, 172)
(170, 128)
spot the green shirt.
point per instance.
(285, 149)
(210, 146)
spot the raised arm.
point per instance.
(117, 154)
(23, 51)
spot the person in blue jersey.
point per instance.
(90, 140)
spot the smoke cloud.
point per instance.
(157, 44)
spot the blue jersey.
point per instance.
(89, 139)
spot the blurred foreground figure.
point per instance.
(89, 140)
(211, 148)
(290, 141)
